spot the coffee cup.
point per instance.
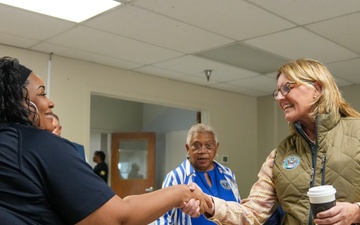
(321, 198)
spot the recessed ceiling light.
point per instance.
(72, 10)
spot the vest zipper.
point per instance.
(313, 148)
(323, 163)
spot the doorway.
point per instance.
(170, 124)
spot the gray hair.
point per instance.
(201, 128)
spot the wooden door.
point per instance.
(132, 163)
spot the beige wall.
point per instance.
(248, 127)
(72, 82)
(351, 94)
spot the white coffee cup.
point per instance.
(321, 198)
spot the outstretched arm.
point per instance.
(145, 208)
(255, 209)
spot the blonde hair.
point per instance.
(307, 72)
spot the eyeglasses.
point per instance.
(196, 147)
(284, 89)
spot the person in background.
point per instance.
(323, 148)
(276, 217)
(39, 184)
(200, 167)
(58, 129)
(57, 126)
(101, 168)
(134, 172)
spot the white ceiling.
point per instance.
(242, 41)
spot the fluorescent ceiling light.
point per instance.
(73, 10)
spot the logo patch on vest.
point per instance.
(291, 162)
(225, 184)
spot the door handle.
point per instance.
(150, 189)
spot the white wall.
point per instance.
(176, 142)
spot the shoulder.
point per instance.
(23, 130)
(45, 147)
(79, 146)
(180, 170)
(345, 126)
(222, 167)
(350, 123)
(103, 165)
(179, 175)
(31, 136)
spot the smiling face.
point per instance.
(37, 95)
(202, 159)
(297, 104)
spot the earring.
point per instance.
(33, 105)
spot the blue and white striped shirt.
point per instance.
(185, 174)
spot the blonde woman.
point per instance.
(323, 148)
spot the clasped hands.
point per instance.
(199, 204)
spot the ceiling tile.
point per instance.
(300, 43)
(245, 57)
(272, 74)
(165, 73)
(192, 79)
(87, 39)
(242, 41)
(308, 11)
(30, 25)
(194, 65)
(260, 83)
(239, 90)
(86, 56)
(246, 19)
(157, 29)
(9, 39)
(341, 82)
(343, 30)
(348, 70)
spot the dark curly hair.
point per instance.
(13, 95)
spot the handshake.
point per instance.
(198, 203)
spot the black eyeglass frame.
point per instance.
(284, 89)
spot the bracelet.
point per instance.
(358, 204)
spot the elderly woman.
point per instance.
(201, 168)
(39, 184)
(323, 148)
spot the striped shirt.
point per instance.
(185, 174)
